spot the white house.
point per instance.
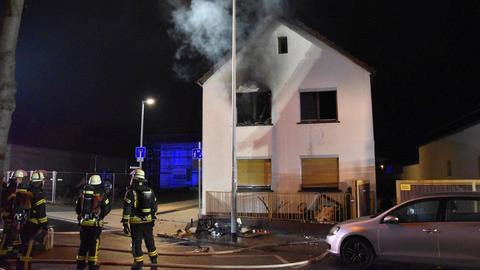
(455, 155)
(304, 115)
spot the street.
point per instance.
(265, 250)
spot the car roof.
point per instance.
(449, 194)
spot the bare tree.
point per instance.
(9, 28)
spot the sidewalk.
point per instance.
(170, 216)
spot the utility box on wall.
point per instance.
(171, 165)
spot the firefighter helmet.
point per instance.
(138, 175)
(19, 174)
(95, 180)
(37, 176)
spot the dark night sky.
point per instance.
(84, 66)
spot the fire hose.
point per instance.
(192, 266)
(193, 253)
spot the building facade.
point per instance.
(454, 156)
(304, 115)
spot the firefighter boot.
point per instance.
(81, 265)
(153, 260)
(137, 266)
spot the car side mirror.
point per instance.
(390, 219)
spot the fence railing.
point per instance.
(328, 208)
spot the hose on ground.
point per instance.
(191, 266)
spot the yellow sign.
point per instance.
(405, 187)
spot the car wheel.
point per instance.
(357, 252)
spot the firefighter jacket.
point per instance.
(92, 206)
(139, 205)
(30, 201)
(8, 199)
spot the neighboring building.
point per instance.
(455, 154)
(304, 115)
(170, 165)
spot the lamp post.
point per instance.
(233, 211)
(148, 101)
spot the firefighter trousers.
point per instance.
(29, 234)
(142, 231)
(89, 244)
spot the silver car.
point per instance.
(440, 229)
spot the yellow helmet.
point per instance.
(95, 180)
(19, 174)
(138, 174)
(37, 176)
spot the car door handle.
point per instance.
(430, 230)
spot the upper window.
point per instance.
(423, 211)
(318, 106)
(320, 172)
(254, 172)
(254, 108)
(463, 210)
(282, 45)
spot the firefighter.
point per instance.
(10, 235)
(31, 217)
(139, 210)
(92, 206)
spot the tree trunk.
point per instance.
(9, 28)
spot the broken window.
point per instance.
(318, 106)
(254, 107)
(282, 45)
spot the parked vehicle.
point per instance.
(439, 229)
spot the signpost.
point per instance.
(140, 153)
(197, 154)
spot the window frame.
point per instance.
(318, 188)
(318, 121)
(279, 47)
(269, 121)
(255, 188)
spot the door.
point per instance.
(362, 193)
(459, 234)
(414, 238)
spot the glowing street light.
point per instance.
(148, 101)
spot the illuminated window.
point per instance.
(254, 172)
(320, 172)
(282, 45)
(318, 106)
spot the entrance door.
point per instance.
(362, 193)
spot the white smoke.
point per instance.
(204, 27)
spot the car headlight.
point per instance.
(334, 230)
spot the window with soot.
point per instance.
(254, 108)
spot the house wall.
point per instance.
(461, 148)
(306, 66)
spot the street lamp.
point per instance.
(148, 101)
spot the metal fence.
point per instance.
(65, 187)
(410, 189)
(313, 207)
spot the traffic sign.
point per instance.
(140, 152)
(197, 153)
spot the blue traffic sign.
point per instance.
(197, 153)
(140, 152)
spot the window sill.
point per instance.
(317, 122)
(320, 189)
(255, 125)
(254, 189)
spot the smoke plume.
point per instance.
(204, 27)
